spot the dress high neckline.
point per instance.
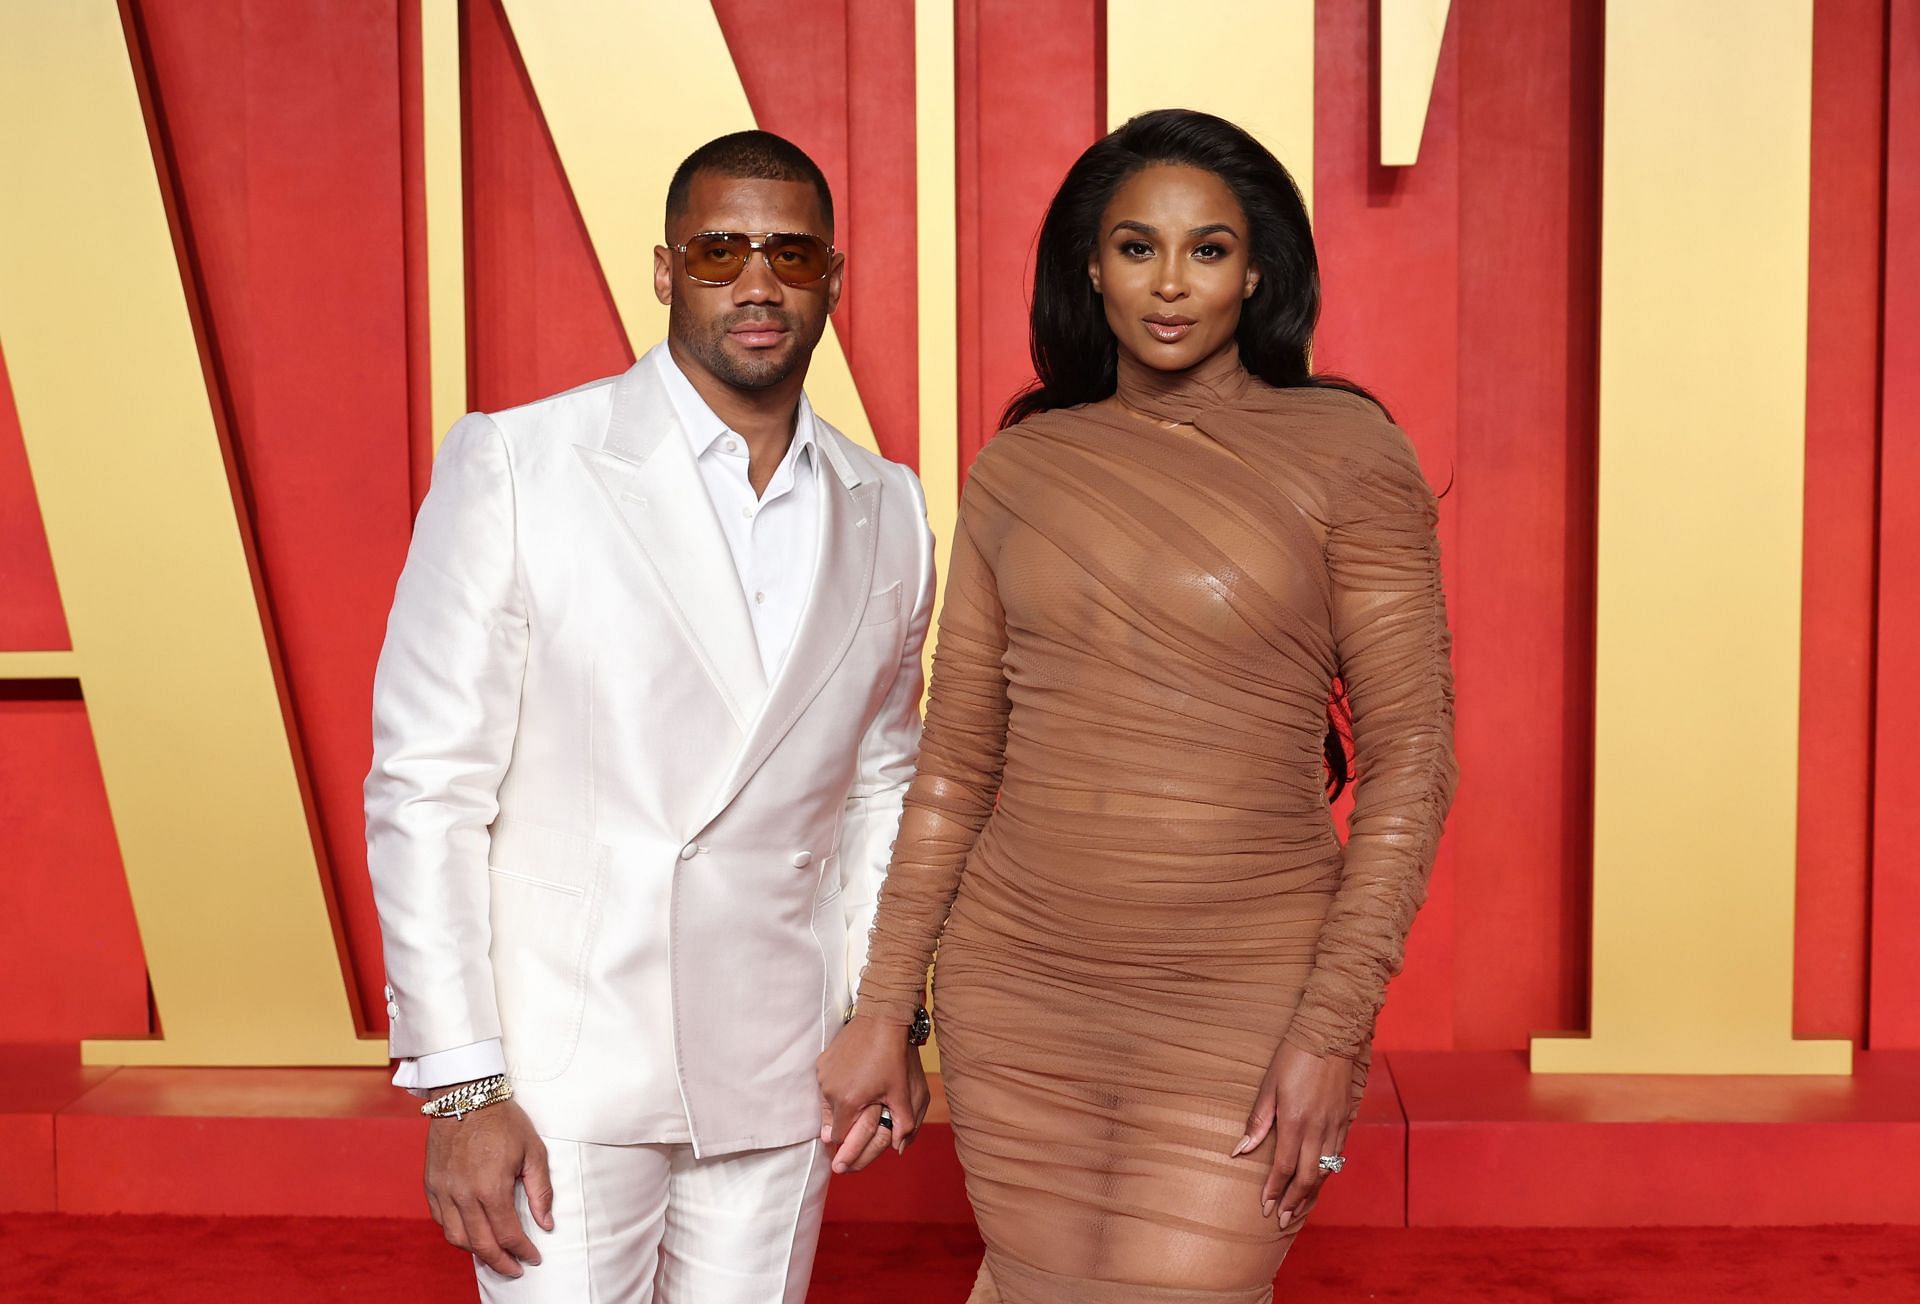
(1179, 396)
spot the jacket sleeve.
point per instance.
(885, 763)
(446, 701)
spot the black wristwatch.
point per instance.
(921, 1028)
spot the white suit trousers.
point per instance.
(650, 1224)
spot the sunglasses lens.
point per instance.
(798, 259)
(719, 257)
(716, 259)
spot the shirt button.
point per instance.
(732, 447)
(689, 851)
(801, 859)
(759, 597)
(393, 1011)
(747, 512)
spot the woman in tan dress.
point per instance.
(1158, 967)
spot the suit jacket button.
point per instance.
(689, 851)
(393, 1010)
(801, 859)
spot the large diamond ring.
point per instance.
(1332, 1163)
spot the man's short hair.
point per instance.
(750, 155)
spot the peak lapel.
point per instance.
(647, 474)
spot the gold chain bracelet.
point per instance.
(462, 1101)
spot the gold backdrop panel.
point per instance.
(1703, 356)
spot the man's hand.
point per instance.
(866, 1140)
(869, 1065)
(472, 1164)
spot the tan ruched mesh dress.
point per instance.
(1140, 630)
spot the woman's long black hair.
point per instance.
(1075, 356)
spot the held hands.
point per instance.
(472, 1164)
(1304, 1101)
(870, 1065)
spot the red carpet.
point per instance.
(294, 1261)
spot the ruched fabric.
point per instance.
(1119, 838)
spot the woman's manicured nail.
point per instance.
(1266, 1208)
(1246, 1144)
(1286, 1216)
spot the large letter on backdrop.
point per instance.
(629, 89)
(141, 523)
(1703, 357)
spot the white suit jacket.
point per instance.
(594, 829)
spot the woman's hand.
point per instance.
(1304, 1101)
(869, 1064)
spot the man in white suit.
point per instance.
(646, 710)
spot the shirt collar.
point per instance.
(703, 427)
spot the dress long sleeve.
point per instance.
(962, 753)
(1390, 632)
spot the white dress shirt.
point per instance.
(773, 536)
(774, 539)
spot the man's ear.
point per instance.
(663, 274)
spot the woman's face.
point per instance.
(1172, 265)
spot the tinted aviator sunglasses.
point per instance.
(718, 257)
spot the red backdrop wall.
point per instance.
(1462, 290)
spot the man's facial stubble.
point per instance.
(705, 339)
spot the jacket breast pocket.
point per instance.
(882, 607)
(545, 893)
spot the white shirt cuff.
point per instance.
(444, 1068)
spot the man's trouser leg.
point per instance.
(650, 1224)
